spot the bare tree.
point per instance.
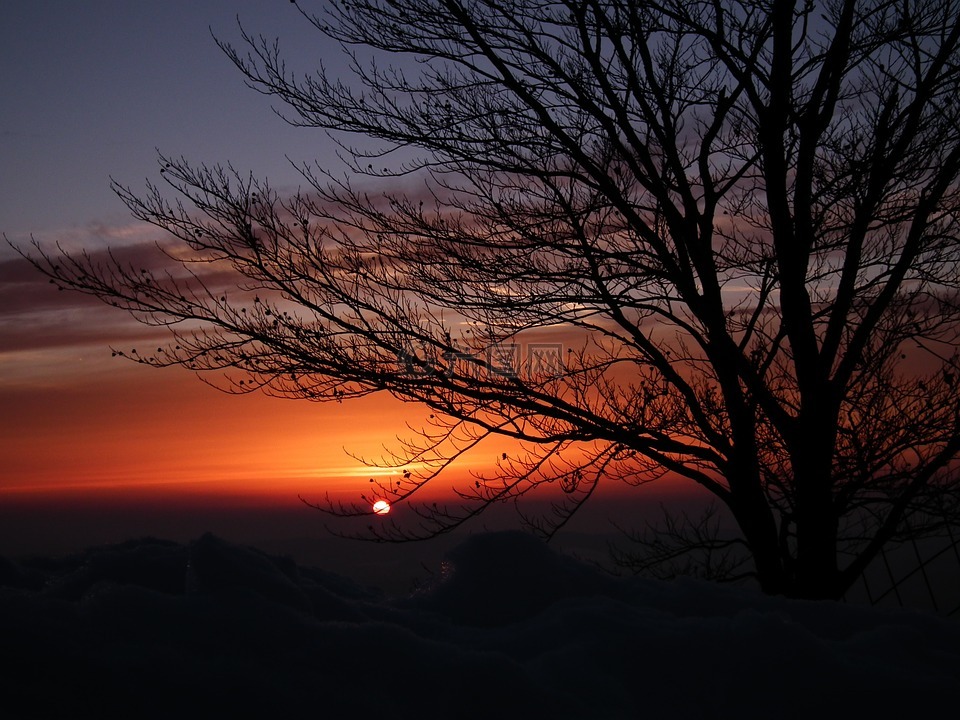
(743, 213)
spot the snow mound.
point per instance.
(506, 577)
(512, 629)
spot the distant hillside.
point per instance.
(507, 629)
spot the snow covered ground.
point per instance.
(508, 629)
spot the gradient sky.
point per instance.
(90, 91)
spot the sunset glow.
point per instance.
(78, 420)
(107, 423)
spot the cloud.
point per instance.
(35, 315)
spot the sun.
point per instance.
(381, 507)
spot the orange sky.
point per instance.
(76, 417)
(82, 426)
(77, 420)
(99, 449)
(83, 421)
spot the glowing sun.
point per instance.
(381, 507)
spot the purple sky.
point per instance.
(91, 89)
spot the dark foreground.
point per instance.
(510, 629)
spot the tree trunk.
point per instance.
(756, 521)
(817, 576)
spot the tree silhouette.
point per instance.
(743, 215)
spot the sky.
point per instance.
(91, 92)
